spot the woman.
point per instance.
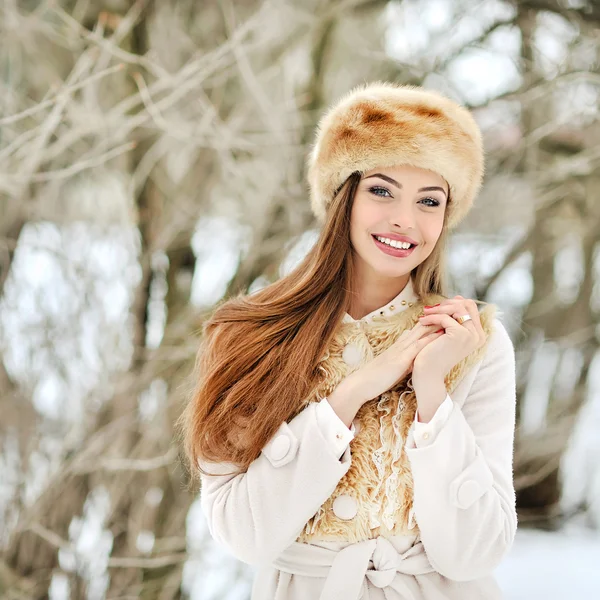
(353, 425)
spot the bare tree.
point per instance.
(150, 119)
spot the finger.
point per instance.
(429, 338)
(410, 335)
(465, 307)
(457, 309)
(423, 342)
(474, 324)
(441, 319)
(417, 324)
(447, 306)
(416, 345)
(425, 330)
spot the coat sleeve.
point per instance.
(259, 513)
(464, 497)
(333, 428)
(422, 434)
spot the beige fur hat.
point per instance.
(384, 124)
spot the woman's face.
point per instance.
(402, 200)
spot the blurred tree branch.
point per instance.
(207, 109)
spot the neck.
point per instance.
(373, 291)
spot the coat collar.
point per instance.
(405, 299)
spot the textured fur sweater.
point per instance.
(379, 477)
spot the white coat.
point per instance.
(464, 499)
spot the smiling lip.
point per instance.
(397, 237)
(397, 252)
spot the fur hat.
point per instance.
(384, 124)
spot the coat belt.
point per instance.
(345, 570)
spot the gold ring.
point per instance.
(464, 318)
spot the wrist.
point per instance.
(349, 388)
(345, 402)
(427, 380)
(430, 397)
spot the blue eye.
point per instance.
(377, 188)
(435, 202)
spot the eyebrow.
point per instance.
(399, 185)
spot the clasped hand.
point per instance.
(429, 350)
(436, 359)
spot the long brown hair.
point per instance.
(259, 353)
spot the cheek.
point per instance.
(431, 229)
(363, 217)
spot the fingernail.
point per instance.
(432, 306)
(439, 330)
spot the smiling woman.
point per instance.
(353, 425)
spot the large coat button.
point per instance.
(345, 507)
(352, 355)
(280, 447)
(471, 483)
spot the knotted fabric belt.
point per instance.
(347, 568)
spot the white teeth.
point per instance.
(394, 243)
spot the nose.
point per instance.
(403, 216)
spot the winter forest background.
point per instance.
(152, 161)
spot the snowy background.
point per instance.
(70, 320)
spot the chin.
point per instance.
(392, 272)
